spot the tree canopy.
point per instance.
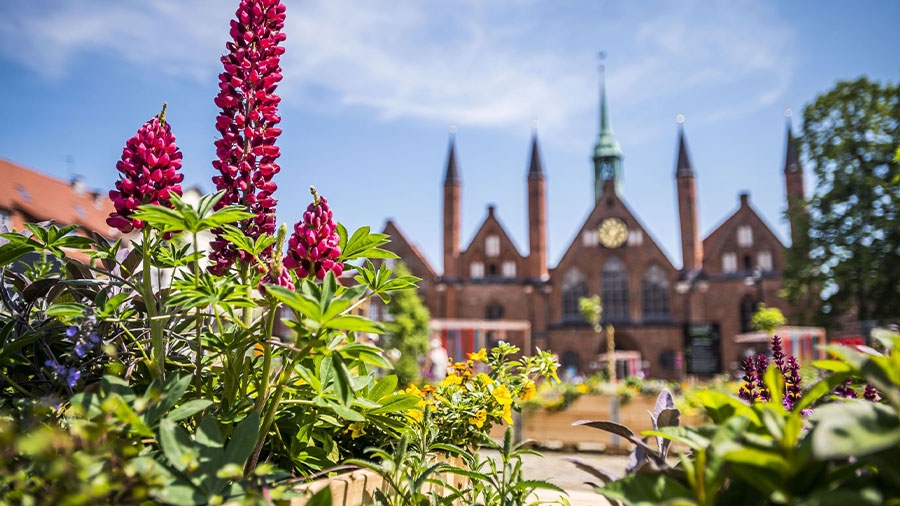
(850, 261)
(408, 331)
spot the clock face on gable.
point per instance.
(612, 233)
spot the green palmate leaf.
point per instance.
(397, 403)
(163, 218)
(187, 409)
(646, 490)
(243, 440)
(10, 252)
(363, 244)
(302, 303)
(176, 445)
(354, 323)
(66, 310)
(341, 378)
(854, 428)
(385, 386)
(224, 216)
(345, 412)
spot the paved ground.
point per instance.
(554, 467)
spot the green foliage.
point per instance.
(408, 332)
(768, 319)
(500, 482)
(592, 310)
(850, 257)
(844, 452)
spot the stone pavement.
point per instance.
(554, 468)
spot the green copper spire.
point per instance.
(607, 152)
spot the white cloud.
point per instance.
(474, 63)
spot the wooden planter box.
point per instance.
(554, 428)
(357, 488)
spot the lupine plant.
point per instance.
(185, 359)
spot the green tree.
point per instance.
(851, 258)
(408, 332)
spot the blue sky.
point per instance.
(371, 87)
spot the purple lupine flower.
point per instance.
(246, 153)
(71, 331)
(748, 391)
(792, 389)
(870, 393)
(277, 275)
(313, 248)
(149, 168)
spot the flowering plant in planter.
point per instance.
(467, 403)
(142, 344)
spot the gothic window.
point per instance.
(655, 293)
(748, 307)
(745, 236)
(574, 287)
(494, 312)
(509, 269)
(589, 238)
(492, 246)
(635, 238)
(764, 260)
(729, 263)
(614, 290)
(476, 270)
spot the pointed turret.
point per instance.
(792, 156)
(537, 214)
(535, 167)
(452, 174)
(452, 214)
(683, 166)
(607, 152)
(793, 182)
(688, 214)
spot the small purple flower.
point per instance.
(94, 338)
(778, 353)
(71, 331)
(81, 349)
(748, 391)
(72, 377)
(762, 365)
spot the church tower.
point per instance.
(537, 214)
(452, 214)
(793, 180)
(691, 246)
(607, 152)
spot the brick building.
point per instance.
(679, 319)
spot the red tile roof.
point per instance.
(41, 197)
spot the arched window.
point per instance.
(614, 290)
(655, 293)
(494, 311)
(574, 287)
(748, 307)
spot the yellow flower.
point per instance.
(412, 389)
(451, 380)
(529, 391)
(357, 429)
(416, 414)
(479, 418)
(501, 393)
(582, 388)
(507, 414)
(484, 379)
(480, 356)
